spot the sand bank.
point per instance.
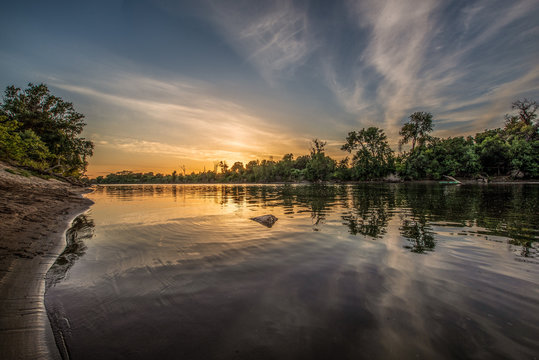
(34, 215)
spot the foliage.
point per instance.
(417, 129)
(41, 119)
(23, 147)
(451, 156)
(492, 152)
(373, 158)
(319, 166)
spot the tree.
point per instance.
(526, 110)
(493, 152)
(237, 167)
(54, 121)
(319, 166)
(23, 147)
(373, 157)
(224, 167)
(417, 129)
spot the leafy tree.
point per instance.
(23, 147)
(54, 121)
(417, 129)
(284, 167)
(319, 167)
(301, 162)
(493, 152)
(524, 156)
(237, 167)
(373, 157)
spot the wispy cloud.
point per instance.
(419, 58)
(273, 35)
(183, 120)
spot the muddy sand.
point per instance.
(34, 215)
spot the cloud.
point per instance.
(273, 36)
(181, 119)
(426, 55)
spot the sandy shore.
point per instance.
(34, 215)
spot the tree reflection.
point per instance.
(509, 211)
(419, 234)
(370, 209)
(81, 230)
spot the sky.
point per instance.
(169, 83)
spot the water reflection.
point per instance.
(370, 210)
(348, 271)
(508, 211)
(81, 230)
(419, 234)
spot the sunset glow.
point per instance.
(167, 83)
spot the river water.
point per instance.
(375, 271)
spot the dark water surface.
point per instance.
(347, 272)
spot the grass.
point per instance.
(19, 172)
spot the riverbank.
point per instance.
(501, 180)
(34, 215)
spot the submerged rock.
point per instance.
(266, 220)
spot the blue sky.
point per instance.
(164, 83)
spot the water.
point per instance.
(347, 272)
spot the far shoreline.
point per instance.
(433, 182)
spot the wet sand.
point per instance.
(34, 215)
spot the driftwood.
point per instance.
(452, 179)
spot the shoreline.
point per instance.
(35, 215)
(463, 182)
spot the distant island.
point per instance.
(40, 133)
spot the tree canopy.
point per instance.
(509, 151)
(417, 129)
(49, 127)
(373, 158)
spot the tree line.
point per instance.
(41, 131)
(509, 151)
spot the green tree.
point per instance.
(319, 167)
(54, 121)
(417, 129)
(493, 152)
(284, 167)
(373, 158)
(23, 147)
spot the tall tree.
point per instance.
(526, 110)
(319, 166)
(417, 129)
(373, 157)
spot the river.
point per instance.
(369, 271)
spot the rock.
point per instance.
(266, 220)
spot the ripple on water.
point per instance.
(366, 271)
